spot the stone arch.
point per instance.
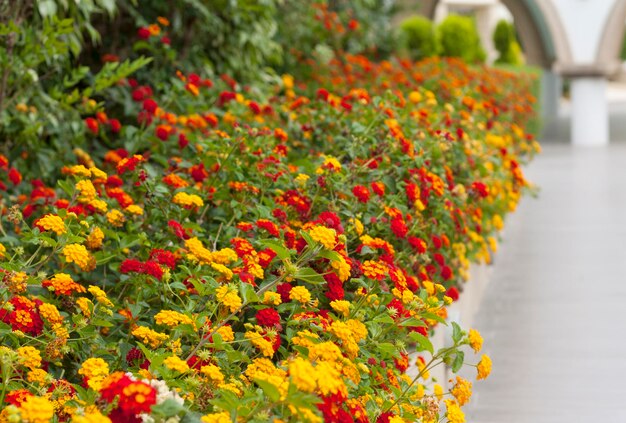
(608, 50)
(538, 25)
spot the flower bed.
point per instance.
(262, 257)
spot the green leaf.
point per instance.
(458, 361)
(281, 251)
(422, 341)
(270, 390)
(309, 275)
(248, 294)
(457, 333)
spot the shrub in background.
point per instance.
(506, 43)
(459, 38)
(418, 37)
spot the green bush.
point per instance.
(459, 38)
(506, 43)
(418, 37)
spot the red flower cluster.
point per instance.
(134, 397)
(150, 267)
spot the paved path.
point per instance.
(554, 314)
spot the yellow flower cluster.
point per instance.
(87, 191)
(36, 410)
(475, 340)
(77, 253)
(16, 282)
(29, 357)
(454, 413)
(204, 256)
(149, 336)
(228, 297)
(100, 296)
(222, 417)
(50, 313)
(54, 223)
(341, 306)
(262, 344)
(85, 305)
(188, 200)
(300, 294)
(134, 209)
(95, 370)
(116, 218)
(325, 236)
(95, 238)
(374, 269)
(462, 390)
(213, 373)
(172, 318)
(484, 367)
(63, 283)
(342, 268)
(176, 363)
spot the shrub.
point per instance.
(506, 43)
(459, 38)
(418, 37)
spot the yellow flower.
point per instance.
(438, 391)
(149, 336)
(50, 313)
(76, 253)
(134, 209)
(329, 381)
(483, 367)
(358, 226)
(300, 294)
(462, 390)
(51, 222)
(303, 374)
(374, 269)
(415, 97)
(100, 296)
(454, 413)
(91, 416)
(475, 340)
(116, 218)
(341, 306)
(222, 417)
(271, 298)
(30, 357)
(16, 282)
(259, 341)
(226, 332)
(228, 297)
(85, 305)
(94, 240)
(99, 205)
(212, 372)
(175, 363)
(87, 191)
(3, 250)
(36, 410)
(172, 318)
(97, 173)
(325, 236)
(38, 376)
(95, 370)
(188, 200)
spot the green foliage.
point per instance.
(43, 91)
(506, 43)
(418, 37)
(459, 38)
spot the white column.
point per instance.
(551, 87)
(590, 114)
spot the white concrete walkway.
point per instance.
(554, 314)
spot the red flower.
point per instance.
(143, 33)
(149, 105)
(378, 188)
(15, 176)
(92, 125)
(164, 257)
(284, 289)
(115, 125)
(178, 229)
(398, 227)
(131, 266)
(268, 317)
(418, 244)
(361, 193)
(270, 227)
(480, 188)
(453, 293)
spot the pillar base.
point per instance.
(590, 114)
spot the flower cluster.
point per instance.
(279, 257)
